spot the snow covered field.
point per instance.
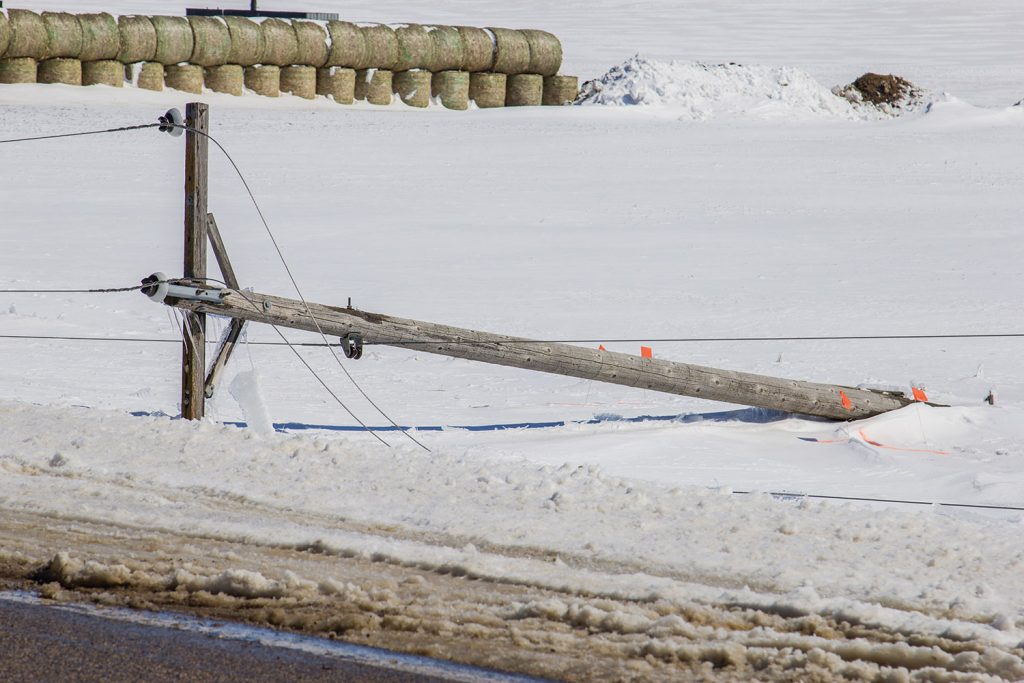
(748, 209)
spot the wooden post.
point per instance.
(237, 325)
(807, 398)
(193, 359)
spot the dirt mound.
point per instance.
(889, 93)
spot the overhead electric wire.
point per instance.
(783, 494)
(295, 284)
(85, 132)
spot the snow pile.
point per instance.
(704, 91)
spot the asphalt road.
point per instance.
(41, 643)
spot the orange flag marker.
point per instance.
(847, 403)
(646, 352)
(600, 347)
(919, 394)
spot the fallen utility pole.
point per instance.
(356, 327)
(807, 398)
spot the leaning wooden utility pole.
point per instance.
(807, 398)
(193, 360)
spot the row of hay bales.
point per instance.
(306, 58)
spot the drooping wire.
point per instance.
(86, 132)
(295, 283)
(785, 495)
(75, 291)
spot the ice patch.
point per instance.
(245, 389)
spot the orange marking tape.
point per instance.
(846, 400)
(646, 352)
(919, 394)
(600, 347)
(868, 440)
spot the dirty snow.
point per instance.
(735, 206)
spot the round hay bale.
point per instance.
(447, 54)
(211, 43)
(18, 70)
(559, 90)
(101, 39)
(451, 88)
(63, 35)
(60, 70)
(348, 47)
(184, 77)
(246, 41)
(137, 40)
(28, 35)
(545, 52)
(103, 72)
(150, 76)
(413, 87)
(524, 90)
(299, 81)
(5, 34)
(226, 78)
(381, 47)
(264, 80)
(487, 90)
(415, 48)
(337, 83)
(312, 43)
(511, 52)
(477, 48)
(374, 86)
(174, 40)
(280, 45)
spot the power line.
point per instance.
(786, 495)
(73, 291)
(298, 291)
(86, 132)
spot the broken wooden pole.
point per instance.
(193, 359)
(806, 398)
(236, 326)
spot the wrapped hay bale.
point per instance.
(18, 70)
(348, 47)
(413, 87)
(264, 80)
(477, 49)
(137, 39)
(5, 34)
(559, 90)
(211, 42)
(28, 35)
(101, 39)
(415, 48)
(374, 86)
(280, 44)
(487, 89)
(103, 72)
(150, 76)
(63, 35)
(451, 88)
(299, 81)
(226, 78)
(184, 77)
(337, 83)
(524, 90)
(447, 54)
(174, 40)
(511, 51)
(381, 47)
(311, 41)
(60, 70)
(246, 41)
(545, 52)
